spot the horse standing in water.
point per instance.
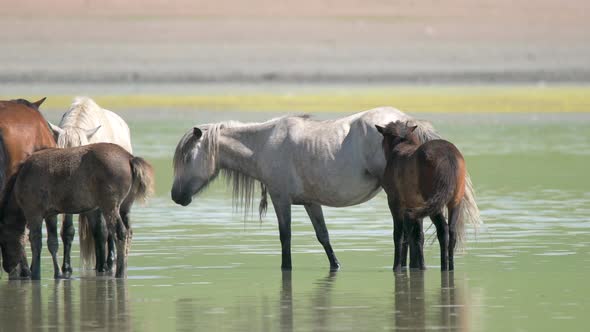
(420, 180)
(298, 161)
(23, 130)
(77, 180)
(86, 123)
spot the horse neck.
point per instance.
(404, 149)
(237, 147)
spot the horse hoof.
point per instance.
(334, 267)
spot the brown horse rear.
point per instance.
(441, 178)
(420, 180)
(23, 130)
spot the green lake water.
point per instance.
(203, 267)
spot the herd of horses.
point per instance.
(85, 166)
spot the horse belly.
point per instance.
(341, 192)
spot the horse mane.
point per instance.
(25, 102)
(80, 113)
(243, 185)
(80, 116)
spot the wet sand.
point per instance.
(261, 41)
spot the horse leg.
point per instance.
(416, 237)
(110, 243)
(442, 232)
(67, 237)
(35, 238)
(454, 213)
(53, 244)
(404, 252)
(118, 230)
(283, 211)
(100, 233)
(314, 211)
(127, 223)
(398, 233)
(111, 252)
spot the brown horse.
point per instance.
(420, 180)
(23, 130)
(77, 180)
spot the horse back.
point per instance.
(74, 180)
(24, 130)
(440, 158)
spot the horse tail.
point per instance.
(87, 246)
(468, 210)
(143, 178)
(444, 189)
(263, 201)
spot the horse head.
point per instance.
(194, 165)
(72, 136)
(396, 133)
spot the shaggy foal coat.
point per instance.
(420, 180)
(76, 180)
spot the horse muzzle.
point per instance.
(181, 198)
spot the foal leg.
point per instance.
(67, 237)
(442, 232)
(127, 223)
(454, 213)
(53, 244)
(35, 237)
(398, 234)
(314, 211)
(100, 233)
(119, 231)
(416, 237)
(283, 211)
(404, 252)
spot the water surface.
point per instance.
(204, 267)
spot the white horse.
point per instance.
(86, 123)
(298, 161)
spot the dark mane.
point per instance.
(25, 102)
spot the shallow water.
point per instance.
(204, 268)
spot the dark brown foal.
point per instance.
(100, 176)
(420, 180)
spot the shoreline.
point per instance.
(341, 98)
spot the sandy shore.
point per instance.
(261, 41)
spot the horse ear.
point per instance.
(197, 132)
(411, 129)
(55, 129)
(91, 132)
(380, 129)
(39, 102)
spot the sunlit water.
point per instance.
(204, 267)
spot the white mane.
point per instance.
(85, 116)
(243, 185)
(82, 114)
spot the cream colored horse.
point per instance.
(298, 161)
(86, 123)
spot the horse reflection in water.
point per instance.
(103, 304)
(412, 306)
